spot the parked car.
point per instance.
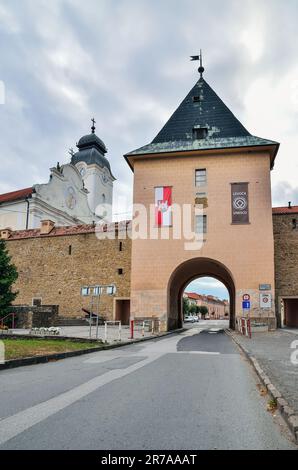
(195, 317)
(189, 319)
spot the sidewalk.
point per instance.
(273, 352)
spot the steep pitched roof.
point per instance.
(16, 195)
(202, 108)
(209, 111)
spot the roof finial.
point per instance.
(200, 58)
(93, 125)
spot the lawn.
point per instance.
(20, 348)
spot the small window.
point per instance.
(97, 290)
(103, 198)
(111, 290)
(85, 291)
(120, 246)
(294, 224)
(200, 133)
(36, 302)
(201, 224)
(69, 249)
(196, 99)
(201, 177)
(120, 271)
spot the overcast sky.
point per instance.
(127, 63)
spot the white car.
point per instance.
(189, 319)
(195, 317)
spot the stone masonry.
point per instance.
(55, 266)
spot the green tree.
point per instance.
(204, 310)
(185, 306)
(8, 275)
(193, 309)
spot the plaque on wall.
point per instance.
(239, 195)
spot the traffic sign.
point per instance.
(246, 297)
(246, 304)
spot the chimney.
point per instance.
(289, 205)
(5, 233)
(46, 227)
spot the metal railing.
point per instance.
(13, 315)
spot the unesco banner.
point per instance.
(239, 203)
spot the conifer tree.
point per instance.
(8, 275)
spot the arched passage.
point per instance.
(185, 273)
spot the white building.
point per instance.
(96, 172)
(75, 193)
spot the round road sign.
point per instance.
(246, 297)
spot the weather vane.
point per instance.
(200, 58)
(93, 125)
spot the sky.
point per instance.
(126, 62)
(208, 286)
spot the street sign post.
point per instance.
(245, 305)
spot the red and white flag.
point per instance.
(163, 206)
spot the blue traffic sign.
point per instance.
(246, 304)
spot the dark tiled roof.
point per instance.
(91, 150)
(285, 210)
(16, 195)
(210, 112)
(202, 108)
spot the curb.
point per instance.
(288, 414)
(28, 361)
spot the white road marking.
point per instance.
(16, 424)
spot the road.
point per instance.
(192, 390)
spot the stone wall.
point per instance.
(55, 268)
(35, 317)
(285, 259)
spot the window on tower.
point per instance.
(201, 177)
(200, 133)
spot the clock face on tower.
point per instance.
(82, 171)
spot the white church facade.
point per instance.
(80, 192)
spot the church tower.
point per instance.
(96, 172)
(205, 159)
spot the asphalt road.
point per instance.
(186, 391)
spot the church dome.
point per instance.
(92, 150)
(92, 140)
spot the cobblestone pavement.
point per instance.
(273, 351)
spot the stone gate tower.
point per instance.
(205, 156)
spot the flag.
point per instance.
(163, 206)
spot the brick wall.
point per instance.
(285, 258)
(54, 268)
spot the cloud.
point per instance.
(127, 63)
(208, 286)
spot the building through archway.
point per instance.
(184, 274)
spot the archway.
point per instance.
(184, 274)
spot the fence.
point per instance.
(113, 331)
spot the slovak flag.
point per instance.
(163, 206)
